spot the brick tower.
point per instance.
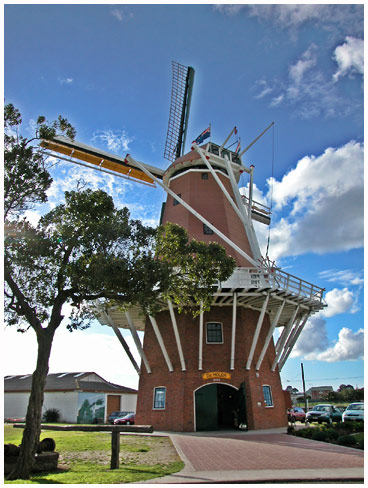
(221, 370)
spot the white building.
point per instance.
(80, 397)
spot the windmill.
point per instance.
(220, 370)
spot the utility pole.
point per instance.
(305, 396)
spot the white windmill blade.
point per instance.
(98, 159)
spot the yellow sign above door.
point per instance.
(216, 375)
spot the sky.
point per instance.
(107, 69)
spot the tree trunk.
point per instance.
(31, 433)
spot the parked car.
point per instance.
(116, 415)
(127, 420)
(324, 413)
(296, 413)
(354, 411)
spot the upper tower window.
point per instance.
(204, 176)
(207, 230)
(176, 202)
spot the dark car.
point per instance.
(296, 413)
(116, 415)
(127, 420)
(324, 413)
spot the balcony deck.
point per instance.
(251, 286)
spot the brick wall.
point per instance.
(179, 413)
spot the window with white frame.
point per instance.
(159, 398)
(267, 396)
(214, 333)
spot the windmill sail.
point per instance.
(74, 151)
(181, 94)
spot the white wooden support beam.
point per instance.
(294, 339)
(269, 335)
(233, 334)
(284, 336)
(177, 336)
(126, 348)
(256, 139)
(225, 141)
(161, 342)
(246, 220)
(289, 339)
(194, 212)
(220, 184)
(200, 348)
(257, 331)
(137, 341)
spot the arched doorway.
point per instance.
(219, 406)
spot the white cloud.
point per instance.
(338, 301)
(344, 276)
(293, 16)
(114, 140)
(277, 100)
(66, 81)
(349, 347)
(121, 15)
(349, 57)
(307, 60)
(310, 88)
(313, 338)
(326, 206)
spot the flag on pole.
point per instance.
(204, 135)
(237, 148)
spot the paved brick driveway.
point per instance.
(263, 452)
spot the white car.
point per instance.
(354, 411)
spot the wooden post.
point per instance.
(115, 449)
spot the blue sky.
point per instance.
(107, 68)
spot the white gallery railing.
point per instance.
(273, 278)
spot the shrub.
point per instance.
(346, 440)
(320, 435)
(332, 434)
(51, 415)
(308, 432)
(361, 442)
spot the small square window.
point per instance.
(204, 176)
(159, 399)
(175, 202)
(207, 230)
(214, 333)
(267, 396)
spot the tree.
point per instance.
(26, 176)
(85, 250)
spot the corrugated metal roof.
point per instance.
(65, 382)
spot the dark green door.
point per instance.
(206, 408)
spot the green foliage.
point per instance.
(307, 432)
(51, 415)
(360, 439)
(332, 434)
(320, 435)
(26, 177)
(346, 440)
(196, 267)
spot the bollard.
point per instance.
(115, 449)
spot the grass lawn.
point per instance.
(85, 458)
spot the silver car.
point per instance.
(354, 411)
